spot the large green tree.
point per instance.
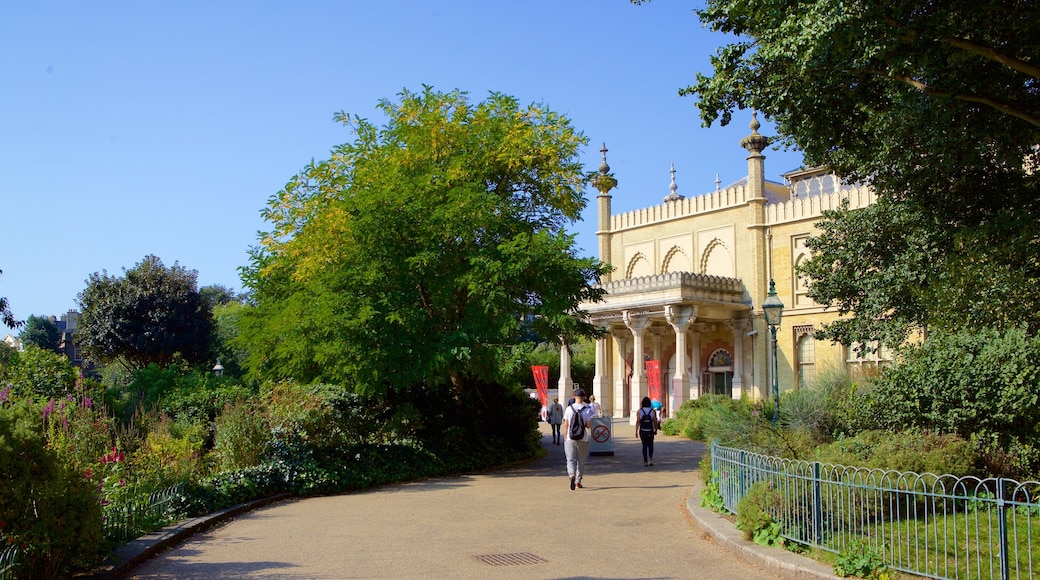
(412, 255)
(937, 106)
(152, 314)
(41, 331)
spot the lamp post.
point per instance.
(773, 310)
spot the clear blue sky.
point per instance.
(136, 128)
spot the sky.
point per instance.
(133, 128)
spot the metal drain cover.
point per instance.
(518, 559)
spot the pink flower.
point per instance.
(48, 409)
(3, 393)
(88, 474)
(87, 402)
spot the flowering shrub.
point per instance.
(78, 430)
(46, 508)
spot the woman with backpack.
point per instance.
(646, 428)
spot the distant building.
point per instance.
(67, 325)
(13, 342)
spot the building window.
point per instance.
(859, 359)
(806, 356)
(799, 254)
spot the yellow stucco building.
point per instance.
(690, 276)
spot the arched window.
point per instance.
(806, 356)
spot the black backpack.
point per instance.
(646, 423)
(577, 426)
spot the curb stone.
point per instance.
(732, 540)
(127, 557)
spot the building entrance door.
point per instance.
(722, 383)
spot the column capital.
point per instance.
(737, 324)
(680, 317)
(636, 323)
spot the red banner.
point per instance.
(653, 378)
(541, 382)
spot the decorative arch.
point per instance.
(676, 260)
(717, 259)
(720, 358)
(638, 266)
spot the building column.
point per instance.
(695, 362)
(680, 319)
(601, 386)
(619, 373)
(738, 326)
(637, 325)
(566, 382)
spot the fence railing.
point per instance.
(939, 526)
(142, 516)
(9, 563)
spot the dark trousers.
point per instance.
(648, 446)
(555, 432)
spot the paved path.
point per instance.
(521, 522)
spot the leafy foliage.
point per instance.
(46, 508)
(862, 561)
(411, 256)
(36, 372)
(753, 515)
(153, 314)
(711, 497)
(6, 316)
(41, 332)
(983, 385)
(935, 104)
(911, 450)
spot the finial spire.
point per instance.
(718, 182)
(603, 182)
(673, 196)
(754, 142)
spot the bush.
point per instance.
(753, 515)
(178, 392)
(79, 431)
(39, 373)
(913, 450)
(982, 384)
(820, 411)
(241, 437)
(46, 508)
(862, 561)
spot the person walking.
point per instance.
(554, 415)
(596, 410)
(647, 425)
(576, 419)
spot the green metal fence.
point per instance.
(938, 526)
(143, 515)
(9, 563)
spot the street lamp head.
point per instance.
(772, 307)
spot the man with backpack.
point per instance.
(576, 437)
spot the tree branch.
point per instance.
(992, 103)
(992, 54)
(973, 47)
